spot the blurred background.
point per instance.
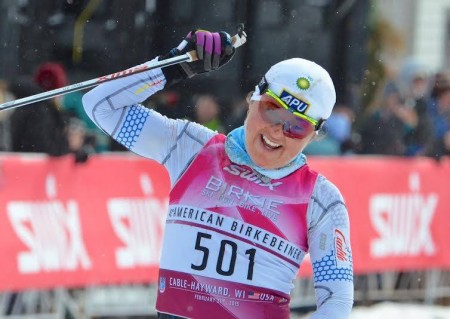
(389, 60)
(382, 55)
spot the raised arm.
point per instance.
(116, 106)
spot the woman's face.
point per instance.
(266, 144)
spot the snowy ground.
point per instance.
(397, 311)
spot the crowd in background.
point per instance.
(410, 116)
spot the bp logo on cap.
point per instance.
(303, 83)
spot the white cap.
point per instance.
(303, 85)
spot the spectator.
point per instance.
(338, 137)
(439, 110)
(383, 131)
(413, 83)
(323, 145)
(39, 127)
(167, 103)
(51, 76)
(79, 142)
(237, 113)
(207, 112)
(340, 127)
(72, 105)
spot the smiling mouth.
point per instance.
(269, 144)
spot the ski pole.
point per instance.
(237, 40)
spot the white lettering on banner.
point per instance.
(139, 223)
(51, 231)
(403, 222)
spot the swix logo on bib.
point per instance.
(293, 102)
(251, 175)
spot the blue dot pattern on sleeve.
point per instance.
(132, 125)
(326, 270)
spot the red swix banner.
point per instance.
(101, 222)
(67, 224)
(399, 210)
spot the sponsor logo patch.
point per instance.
(303, 83)
(294, 103)
(251, 176)
(343, 258)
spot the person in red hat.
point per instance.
(37, 128)
(50, 76)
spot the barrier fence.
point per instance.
(67, 225)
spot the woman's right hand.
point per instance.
(213, 50)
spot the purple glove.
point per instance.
(214, 49)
